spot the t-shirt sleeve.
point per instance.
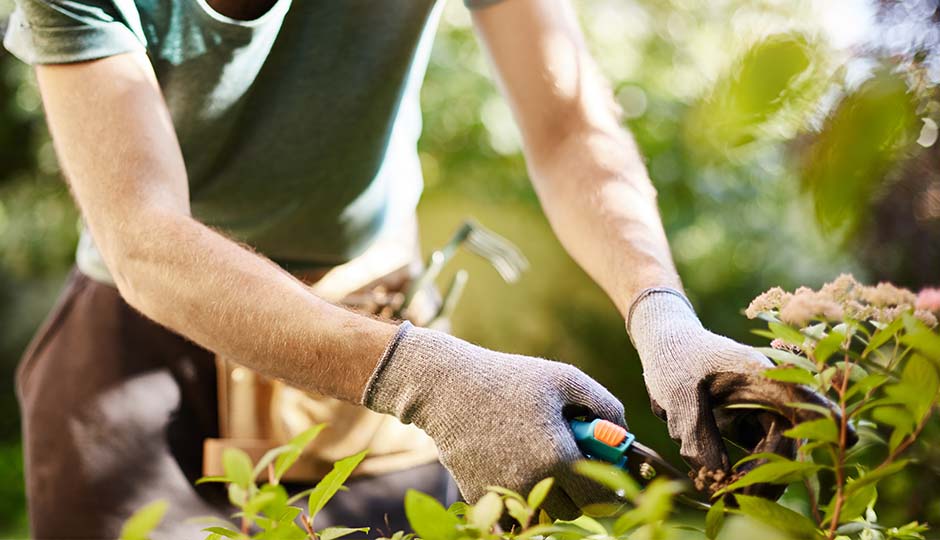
(65, 31)
(476, 4)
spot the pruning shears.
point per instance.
(606, 441)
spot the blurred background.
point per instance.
(789, 140)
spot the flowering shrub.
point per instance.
(873, 350)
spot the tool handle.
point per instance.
(603, 440)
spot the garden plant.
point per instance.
(874, 350)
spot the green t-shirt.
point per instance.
(298, 128)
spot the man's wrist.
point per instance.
(649, 292)
(656, 310)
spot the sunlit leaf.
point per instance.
(796, 525)
(332, 533)
(428, 517)
(714, 519)
(822, 429)
(874, 476)
(882, 336)
(610, 476)
(237, 467)
(538, 493)
(286, 460)
(791, 375)
(859, 141)
(787, 334)
(144, 521)
(485, 512)
(332, 482)
(786, 357)
(774, 472)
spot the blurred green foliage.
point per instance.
(751, 121)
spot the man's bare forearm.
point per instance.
(119, 151)
(599, 199)
(585, 167)
(234, 302)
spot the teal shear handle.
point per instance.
(606, 441)
(603, 440)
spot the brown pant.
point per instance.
(115, 410)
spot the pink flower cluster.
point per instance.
(847, 298)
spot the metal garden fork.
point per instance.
(502, 254)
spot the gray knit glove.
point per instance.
(691, 373)
(498, 419)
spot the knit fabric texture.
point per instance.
(498, 419)
(690, 373)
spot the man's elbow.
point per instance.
(140, 260)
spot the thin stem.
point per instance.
(813, 502)
(308, 526)
(840, 455)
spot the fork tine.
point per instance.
(502, 248)
(505, 265)
(500, 252)
(496, 244)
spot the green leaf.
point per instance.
(764, 334)
(875, 476)
(786, 357)
(787, 334)
(458, 508)
(653, 505)
(428, 518)
(822, 429)
(506, 492)
(258, 501)
(854, 505)
(544, 518)
(518, 511)
(918, 386)
(332, 482)
(824, 378)
(237, 495)
(769, 456)
(285, 461)
(144, 521)
(208, 479)
(539, 492)
(714, 519)
(237, 467)
(791, 375)
(267, 458)
(795, 524)
(541, 530)
(588, 524)
(900, 418)
(866, 384)
(485, 512)
(822, 410)
(882, 336)
(610, 476)
(828, 345)
(332, 533)
(922, 339)
(222, 531)
(775, 472)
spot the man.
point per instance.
(204, 139)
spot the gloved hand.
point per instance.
(498, 419)
(690, 373)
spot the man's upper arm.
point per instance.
(115, 141)
(544, 69)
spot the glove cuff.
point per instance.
(650, 295)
